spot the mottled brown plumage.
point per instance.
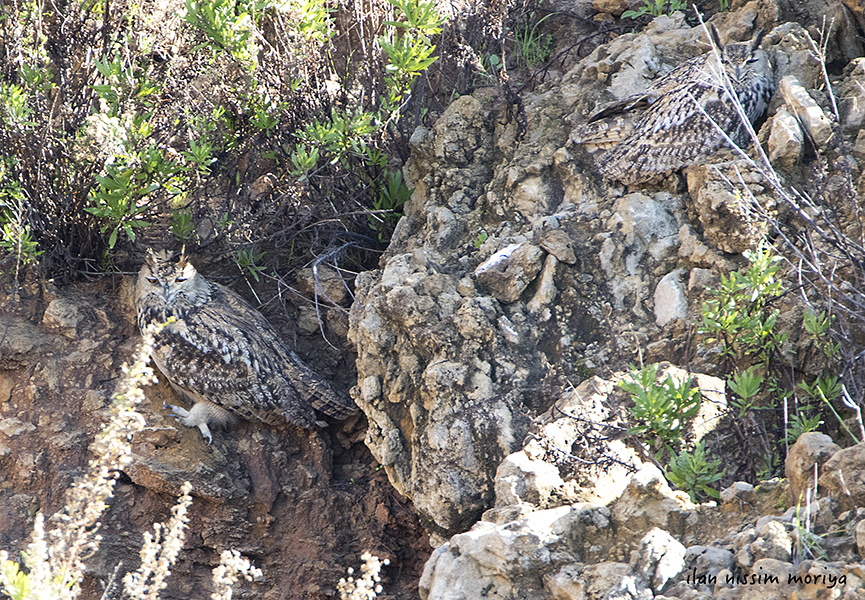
(652, 134)
(224, 355)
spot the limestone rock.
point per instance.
(840, 24)
(773, 542)
(841, 478)
(786, 142)
(510, 270)
(701, 280)
(649, 502)
(659, 558)
(62, 316)
(323, 284)
(737, 496)
(511, 560)
(809, 114)
(566, 583)
(851, 97)
(546, 292)
(614, 7)
(670, 300)
(520, 479)
(642, 229)
(571, 420)
(709, 560)
(810, 449)
(602, 577)
(559, 244)
(723, 209)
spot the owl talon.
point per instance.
(189, 418)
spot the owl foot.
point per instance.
(192, 418)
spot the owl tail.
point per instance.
(334, 404)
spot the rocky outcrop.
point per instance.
(450, 361)
(651, 542)
(490, 343)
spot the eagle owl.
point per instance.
(224, 355)
(663, 129)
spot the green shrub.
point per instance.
(738, 318)
(693, 473)
(663, 409)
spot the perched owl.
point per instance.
(224, 355)
(662, 130)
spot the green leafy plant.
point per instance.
(340, 135)
(746, 385)
(182, 226)
(409, 51)
(533, 47)
(661, 409)
(827, 389)
(738, 317)
(13, 101)
(200, 154)
(768, 464)
(15, 236)
(123, 83)
(247, 259)
(117, 199)
(807, 543)
(480, 239)
(656, 8)
(303, 161)
(18, 241)
(224, 222)
(313, 20)
(265, 115)
(693, 473)
(229, 26)
(388, 206)
(802, 423)
(817, 327)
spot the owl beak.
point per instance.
(169, 295)
(738, 73)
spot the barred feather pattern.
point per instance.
(664, 129)
(218, 349)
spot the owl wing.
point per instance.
(673, 133)
(223, 358)
(287, 378)
(615, 122)
(324, 397)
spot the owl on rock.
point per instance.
(223, 355)
(676, 121)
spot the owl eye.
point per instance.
(753, 59)
(180, 279)
(152, 280)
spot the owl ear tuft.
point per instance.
(757, 40)
(184, 259)
(716, 39)
(150, 258)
